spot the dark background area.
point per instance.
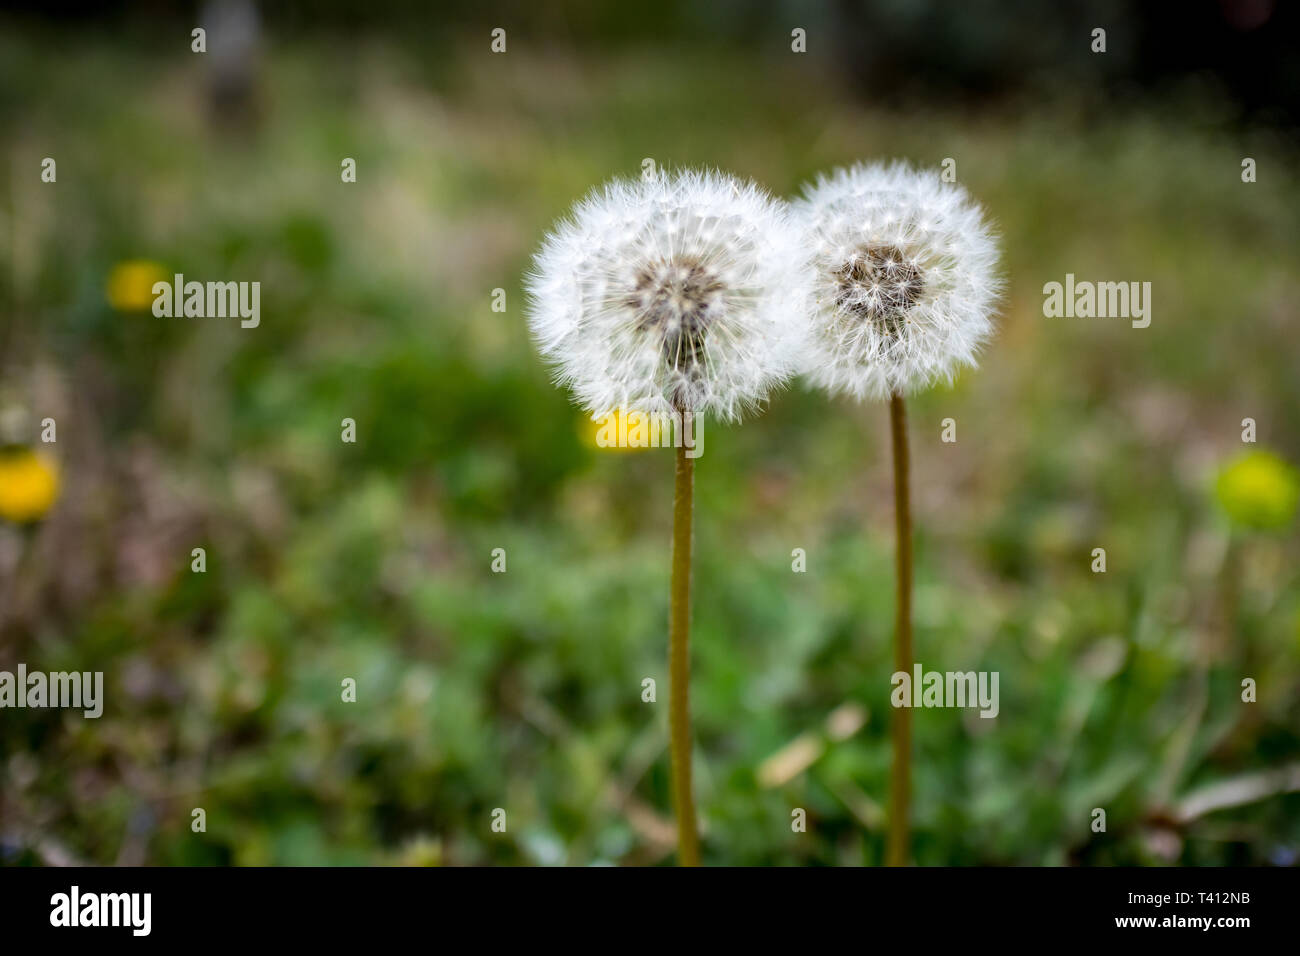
(895, 50)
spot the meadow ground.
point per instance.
(523, 690)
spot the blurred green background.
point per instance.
(522, 690)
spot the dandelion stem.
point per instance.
(896, 853)
(679, 661)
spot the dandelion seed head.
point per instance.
(681, 292)
(902, 278)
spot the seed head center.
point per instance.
(879, 283)
(677, 300)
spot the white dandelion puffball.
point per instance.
(903, 279)
(677, 293)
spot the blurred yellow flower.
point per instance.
(1259, 490)
(29, 484)
(130, 284)
(611, 431)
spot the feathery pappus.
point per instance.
(676, 293)
(903, 279)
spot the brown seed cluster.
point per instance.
(676, 299)
(878, 284)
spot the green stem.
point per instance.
(900, 771)
(679, 661)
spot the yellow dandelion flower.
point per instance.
(1259, 490)
(29, 485)
(621, 431)
(130, 284)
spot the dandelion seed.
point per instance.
(676, 294)
(900, 288)
(672, 297)
(902, 279)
